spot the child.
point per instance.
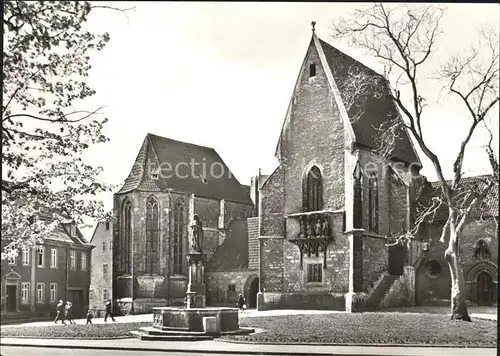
(89, 317)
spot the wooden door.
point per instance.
(484, 289)
(11, 298)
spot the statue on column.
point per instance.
(196, 235)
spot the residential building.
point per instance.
(57, 269)
(101, 282)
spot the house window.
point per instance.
(53, 258)
(83, 261)
(40, 293)
(313, 190)
(152, 234)
(105, 269)
(104, 246)
(125, 241)
(315, 272)
(26, 257)
(72, 259)
(107, 225)
(40, 256)
(373, 203)
(53, 292)
(481, 252)
(178, 237)
(25, 293)
(12, 260)
(312, 70)
(105, 295)
(231, 287)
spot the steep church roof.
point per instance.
(232, 254)
(488, 207)
(371, 112)
(182, 167)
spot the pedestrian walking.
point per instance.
(69, 313)
(89, 317)
(60, 312)
(108, 311)
(241, 302)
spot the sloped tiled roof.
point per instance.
(488, 207)
(62, 233)
(233, 253)
(375, 111)
(168, 154)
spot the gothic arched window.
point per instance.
(481, 252)
(313, 190)
(373, 202)
(126, 237)
(152, 236)
(178, 238)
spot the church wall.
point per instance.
(313, 134)
(223, 287)
(336, 273)
(271, 264)
(392, 194)
(430, 289)
(147, 287)
(271, 205)
(375, 260)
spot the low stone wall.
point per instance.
(308, 301)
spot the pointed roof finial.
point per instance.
(313, 24)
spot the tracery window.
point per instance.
(178, 238)
(152, 236)
(126, 237)
(313, 190)
(373, 202)
(481, 252)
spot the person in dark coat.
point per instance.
(108, 311)
(89, 317)
(60, 312)
(241, 302)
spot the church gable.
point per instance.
(312, 112)
(134, 178)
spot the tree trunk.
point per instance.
(458, 305)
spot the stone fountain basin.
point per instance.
(184, 319)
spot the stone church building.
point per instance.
(311, 235)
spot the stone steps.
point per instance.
(151, 333)
(170, 336)
(381, 291)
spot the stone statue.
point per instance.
(302, 231)
(325, 229)
(196, 235)
(310, 228)
(318, 229)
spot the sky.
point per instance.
(222, 74)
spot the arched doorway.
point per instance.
(484, 288)
(252, 288)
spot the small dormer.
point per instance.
(155, 173)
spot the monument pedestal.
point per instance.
(195, 293)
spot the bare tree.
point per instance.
(403, 38)
(46, 62)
